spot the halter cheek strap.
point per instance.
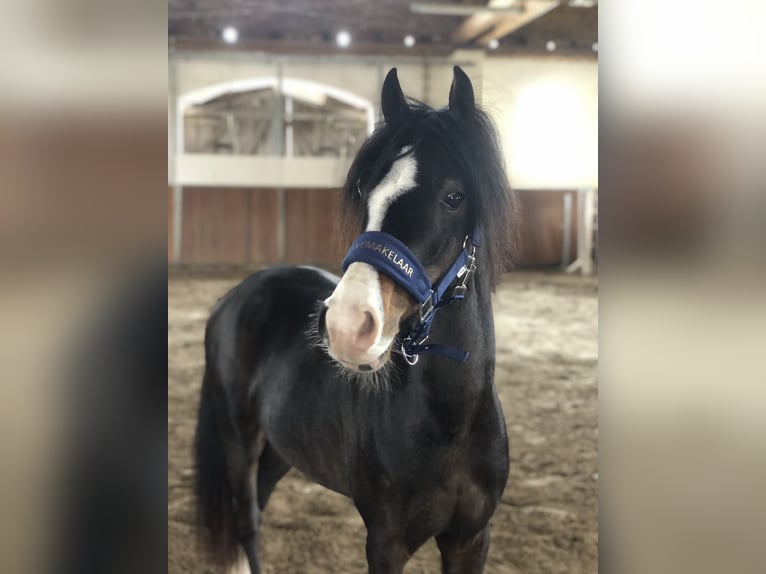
(393, 258)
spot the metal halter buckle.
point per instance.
(466, 271)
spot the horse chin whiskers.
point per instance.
(314, 336)
(377, 380)
(374, 380)
(370, 381)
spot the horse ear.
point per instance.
(392, 99)
(461, 97)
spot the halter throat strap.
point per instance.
(393, 258)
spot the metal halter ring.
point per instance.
(411, 359)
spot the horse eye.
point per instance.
(453, 200)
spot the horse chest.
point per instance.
(437, 482)
(451, 498)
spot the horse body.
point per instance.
(422, 454)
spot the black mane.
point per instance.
(474, 148)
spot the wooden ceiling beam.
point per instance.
(474, 26)
(533, 9)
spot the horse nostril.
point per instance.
(365, 336)
(369, 324)
(351, 330)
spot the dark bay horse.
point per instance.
(335, 377)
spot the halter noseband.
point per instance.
(391, 257)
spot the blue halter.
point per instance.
(391, 257)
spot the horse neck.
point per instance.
(469, 324)
(455, 390)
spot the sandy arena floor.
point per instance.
(547, 327)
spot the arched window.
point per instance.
(265, 116)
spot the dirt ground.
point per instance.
(547, 349)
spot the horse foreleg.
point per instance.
(386, 551)
(464, 555)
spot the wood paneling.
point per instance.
(312, 226)
(542, 230)
(241, 225)
(214, 225)
(229, 225)
(263, 243)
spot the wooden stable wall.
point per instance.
(243, 225)
(541, 241)
(312, 221)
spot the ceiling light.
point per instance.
(550, 45)
(230, 35)
(343, 39)
(409, 40)
(493, 44)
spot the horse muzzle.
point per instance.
(361, 318)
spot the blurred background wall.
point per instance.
(268, 104)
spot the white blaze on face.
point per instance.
(356, 309)
(399, 180)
